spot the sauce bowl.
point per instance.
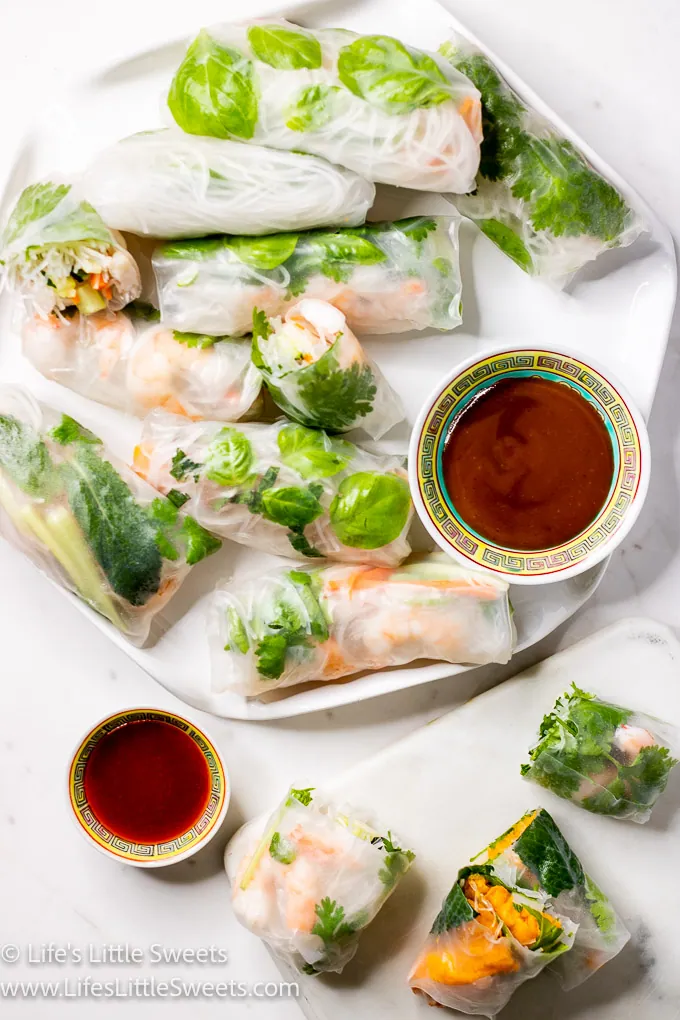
(630, 446)
(180, 845)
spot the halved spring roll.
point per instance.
(88, 521)
(168, 184)
(384, 277)
(282, 488)
(386, 110)
(105, 357)
(318, 373)
(293, 626)
(537, 197)
(607, 759)
(59, 253)
(522, 903)
(311, 878)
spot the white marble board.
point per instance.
(449, 788)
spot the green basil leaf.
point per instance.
(315, 106)
(291, 506)
(386, 74)
(311, 453)
(229, 458)
(214, 91)
(266, 252)
(287, 49)
(370, 510)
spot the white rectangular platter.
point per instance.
(451, 787)
(618, 311)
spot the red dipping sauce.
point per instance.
(528, 464)
(147, 781)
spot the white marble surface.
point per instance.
(609, 68)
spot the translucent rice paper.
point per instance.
(168, 184)
(58, 252)
(384, 277)
(536, 196)
(390, 112)
(90, 523)
(283, 488)
(319, 374)
(104, 357)
(292, 626)
(481, 948)
(312, 879)
(607, 759)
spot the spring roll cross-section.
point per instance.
(89, 522)
(282, 488)
(311, 878)
(319, 374)
(105, 357)
(388, 111)
(384, 277)
(294, 626)
(521, 904)
(59, 253)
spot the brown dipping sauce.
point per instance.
(528, 464)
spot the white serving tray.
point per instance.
(449, 788)
(619, 310)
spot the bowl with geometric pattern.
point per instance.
(627, 434)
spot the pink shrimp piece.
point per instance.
(631, 739)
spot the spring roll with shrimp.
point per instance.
(318, 373)
(384, 277)
(58, 252)
(171, 185)
(294, 626)
(311, 878)
(89, 522)
(607, 759)
(536, 196)
(105, 357)
(386, 110)
(521, 904)
(282, 488)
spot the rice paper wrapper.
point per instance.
(319, 374)
(605, 758)
(112, 358)
(384, 277)
(168, 184)
(53, 233)
(537, 197)
(470, 965)
(386, 110)
(282, 488)
(311, 878)
(89, 522)
(295, 626)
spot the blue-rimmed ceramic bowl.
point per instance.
(630, 446)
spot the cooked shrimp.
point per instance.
(392, 627)
(631, 739)
(302, 892)
(157, 367)
(48, 343)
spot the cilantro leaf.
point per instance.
(182, 466)
(202, 341)
(281, 849)
(178, 498)
(600, 908)
(271, 655)
(331, 925)
(304, 796)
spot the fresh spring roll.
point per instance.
(58, 252)
(384, 277)
(88, 521)
(607, 759)
(169, 184)
(536, 195)
(520, 904)
(293, 626)
(386, 110)
(311, 878)
(282, 488)
(104, 357)
(318, 373)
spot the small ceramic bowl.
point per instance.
(630, 446)
(149, 855)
